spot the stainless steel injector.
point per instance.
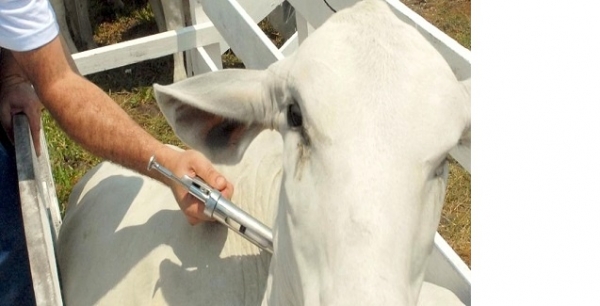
(221, 209)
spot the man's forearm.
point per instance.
(10, 71)
(68, 56)
(86, 113)
(96, 122)
(92, 119)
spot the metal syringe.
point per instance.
(221, 209)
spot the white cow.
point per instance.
(341, 148)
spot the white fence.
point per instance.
(223, 24)
(219, 25)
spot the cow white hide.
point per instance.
(341, 148)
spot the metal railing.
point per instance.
(41, 214)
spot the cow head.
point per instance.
(367, 111)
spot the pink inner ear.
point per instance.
(224, 133)
(237, 134)
(210, 121)
(190, 118)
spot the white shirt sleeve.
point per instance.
(26, 24)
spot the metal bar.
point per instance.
(36, 218)
(221, 209)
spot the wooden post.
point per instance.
(40, 230)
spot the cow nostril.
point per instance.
(294, 116)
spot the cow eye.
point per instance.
(294, 116)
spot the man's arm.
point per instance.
(96, 122)
(16, 96)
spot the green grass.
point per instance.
(131, 88)
(453, 17)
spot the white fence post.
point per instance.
(304, 28)
(245, 37)
(203, 58)
(457, 56)
(145, 48)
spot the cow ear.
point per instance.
(217, 113)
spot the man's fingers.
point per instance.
(212, 177)
(228, 191)
(193, 163)
(208, 173)
(192, 220)
(193, 209)
(218, 181)
(190, 208)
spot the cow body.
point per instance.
(124, 240)
(341, 148)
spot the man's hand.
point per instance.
(193, 163)
(20, 97)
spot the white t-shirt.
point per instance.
(26, 24)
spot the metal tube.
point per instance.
(224, 211)
(250, 227)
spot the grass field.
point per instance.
(130, 87)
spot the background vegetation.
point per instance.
(131, 88)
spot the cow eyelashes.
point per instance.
(294, 121)
(294, 116)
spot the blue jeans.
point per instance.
(15, 277)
